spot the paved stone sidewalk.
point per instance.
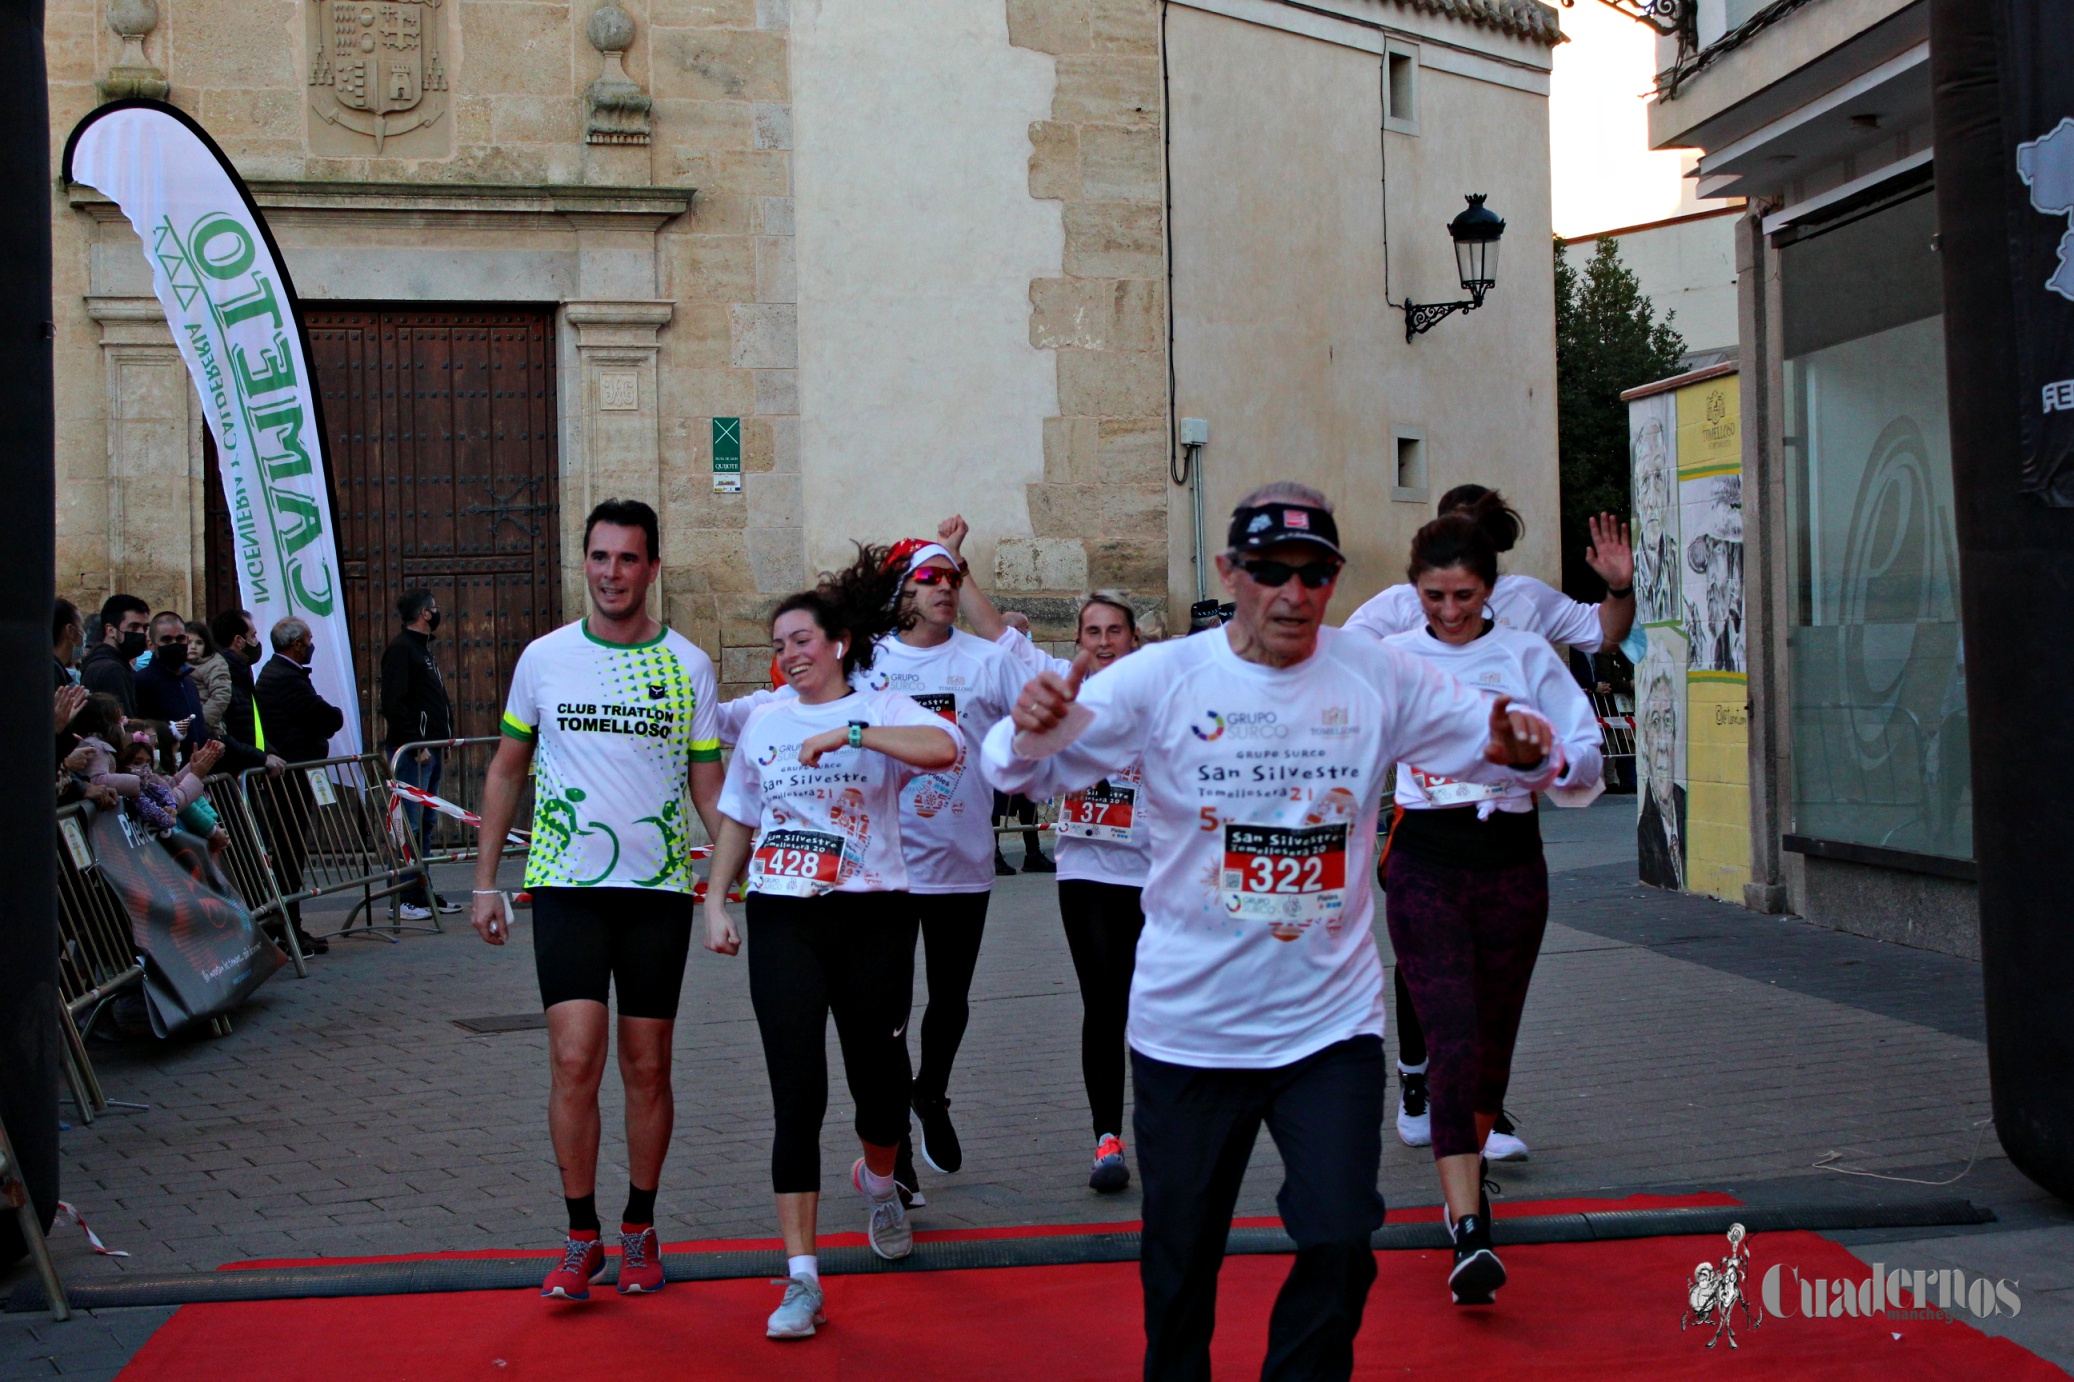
(1670, 1042)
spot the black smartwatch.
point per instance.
(1620, 594)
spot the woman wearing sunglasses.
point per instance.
(1532, 606)
(1103, 857)
(1467, 885)
(946, 816)
(815, 784)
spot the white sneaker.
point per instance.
(1503, 1146)
(888, 1230)
(1414, 1114)
(799, 1313)
(411, 911)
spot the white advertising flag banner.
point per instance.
(233, 314)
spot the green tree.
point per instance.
(1607, 340)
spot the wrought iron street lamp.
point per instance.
(1476, 232)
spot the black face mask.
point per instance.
(250, 652)
(432, 623)
(133, 643)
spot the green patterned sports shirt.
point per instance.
(618, 726)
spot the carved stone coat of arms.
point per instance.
(377, 76)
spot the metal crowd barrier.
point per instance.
(327, 829)
(1616, 714)
(247, 865)
(463, 764)
(97, 953)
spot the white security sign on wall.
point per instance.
(234, 315)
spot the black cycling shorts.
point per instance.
(590, 941)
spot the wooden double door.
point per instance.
(443, 470)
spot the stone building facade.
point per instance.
(926, 252)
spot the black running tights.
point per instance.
(1411, 1037)
(1102, 925)
(852, 954)
(952, 926)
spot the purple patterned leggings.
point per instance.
(1466, 942)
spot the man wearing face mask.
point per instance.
(125, 634)
(415, 705)
(243, 738)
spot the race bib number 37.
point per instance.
(1287, 876)
(796, 863)
(1103, 812)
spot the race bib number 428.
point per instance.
(1103, 812)
(796, 863)
(1287, 876)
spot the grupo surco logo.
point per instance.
(1241, 724)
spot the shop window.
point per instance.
(1877, 669)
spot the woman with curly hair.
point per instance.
(815, 788)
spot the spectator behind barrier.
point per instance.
(211, 675)
(165, 685)
(124, 637)
(299, 722)
(65, 637)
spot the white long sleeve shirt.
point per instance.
(1101, 837)
(1517, 602)
(1504, 662)
(1261, 791)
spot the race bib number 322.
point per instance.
(1289, 877)
(796, 863)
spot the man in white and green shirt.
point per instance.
(615, 717)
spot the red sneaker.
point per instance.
(640, 1261)
(583, 1261)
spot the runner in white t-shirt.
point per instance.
(1468, 887)
(1103, 856)
(817, 779)
(946, 818)
(1525, 602)
(1258, 995)
(617, 715)
(1533, 606)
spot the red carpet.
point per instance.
(1589, 1311)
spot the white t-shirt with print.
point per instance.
(947, 818)
(1265, 786)
(616, 728)
(1517, 602)
(1504, 662)
(834, 827)
(1103, 835)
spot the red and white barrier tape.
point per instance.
(93, 1239)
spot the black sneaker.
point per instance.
(905, 1181)
(939, 1143)
(1002, 868)
(444, 906)
(1035, 862)
(1477, 1273)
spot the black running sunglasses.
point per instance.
(1315, 575)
